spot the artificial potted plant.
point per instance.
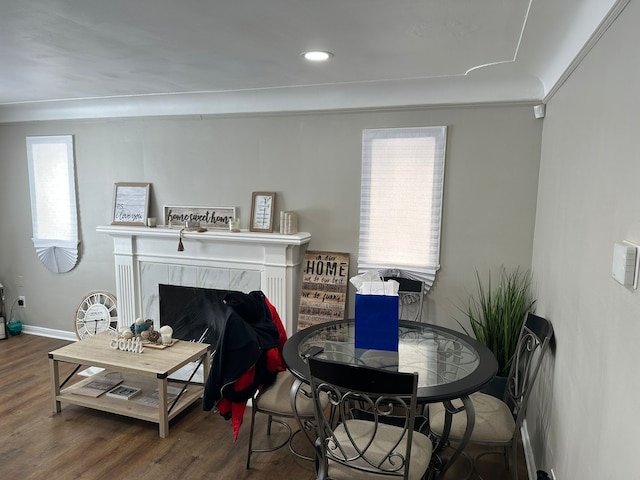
(496, 313)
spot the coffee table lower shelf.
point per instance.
(150, 371)
(131, 407)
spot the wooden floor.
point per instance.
(80, 443)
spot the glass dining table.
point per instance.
(450, 366)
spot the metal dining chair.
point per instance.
(410, 297)
(355, 440)
(276, 401)
(498, 421)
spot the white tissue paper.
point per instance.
(371, 283)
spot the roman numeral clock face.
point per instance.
(97, 312)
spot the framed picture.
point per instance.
(262, 207)
(208, 217)
(130, 203)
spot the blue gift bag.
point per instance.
(376, 324)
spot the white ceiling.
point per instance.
(93, 58)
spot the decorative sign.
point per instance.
(130, 203)
(325, 279)
(127, 345)
(208, 217)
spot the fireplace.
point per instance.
(217, 259)
(194, 313)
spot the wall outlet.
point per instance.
(22, 301)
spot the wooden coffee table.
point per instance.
(149, 371)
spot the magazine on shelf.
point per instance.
(153, 399)
(97, 386)
(124, 391)
(90, 371)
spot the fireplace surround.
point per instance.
(245, 261)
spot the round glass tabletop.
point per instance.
(449, 364)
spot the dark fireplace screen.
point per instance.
(195, 314)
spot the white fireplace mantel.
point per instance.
(245, 261)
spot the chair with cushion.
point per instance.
(276, 401)
(498, 421)
(352, 445)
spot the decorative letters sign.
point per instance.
(208, 217)
(325, 279)
(127, 345)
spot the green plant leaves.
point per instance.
(498, 310)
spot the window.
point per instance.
(53, 201)
(401, 201)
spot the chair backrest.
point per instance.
(411, 297)
(355, 431)
(533, 341)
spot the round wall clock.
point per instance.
(97, 312)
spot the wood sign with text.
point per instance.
(208, 217)
(325, 279)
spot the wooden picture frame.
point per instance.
(130, 203)
(216, 218)
(262, 211)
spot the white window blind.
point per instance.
(53, 201)
(401, 201)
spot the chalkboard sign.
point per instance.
(325, 279)
(130, 203)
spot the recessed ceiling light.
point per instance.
(317, 55)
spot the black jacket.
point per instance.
(247, 333)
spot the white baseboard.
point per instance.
(528, 451)
(49, 332)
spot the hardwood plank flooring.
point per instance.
(80, 443)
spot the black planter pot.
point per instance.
(496, 387)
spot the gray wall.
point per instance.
(312, 161)
(584, 421)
